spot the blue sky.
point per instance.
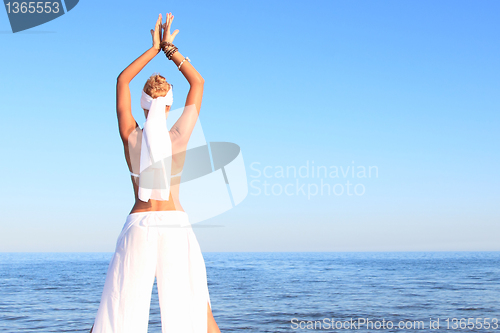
(410, 88)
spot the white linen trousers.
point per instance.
(152, 244)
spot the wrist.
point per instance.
(169, 49)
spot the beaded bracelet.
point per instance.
(165, 43)
(170, 52)
(186, 58)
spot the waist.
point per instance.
(171, 213)
(159, 218)
(173, 204)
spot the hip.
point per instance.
(159, 222)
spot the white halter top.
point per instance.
(150, 150)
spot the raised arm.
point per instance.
(126, 122)
(183, 127)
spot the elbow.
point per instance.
(119, 79)
(198, 81)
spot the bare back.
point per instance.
(132, 149)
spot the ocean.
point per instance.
(275, 291)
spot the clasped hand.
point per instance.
(165, 36)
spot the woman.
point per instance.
(157, 239)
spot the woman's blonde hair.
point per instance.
(156, 86)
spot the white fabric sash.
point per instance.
(156, 150)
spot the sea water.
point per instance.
(274, 291)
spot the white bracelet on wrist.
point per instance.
(186, 58)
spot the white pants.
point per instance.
(161, 244)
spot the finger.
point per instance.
(169, 21)
(156, 25)
(164, 26)
(175, 33)
(158, 22)
(158, 19)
